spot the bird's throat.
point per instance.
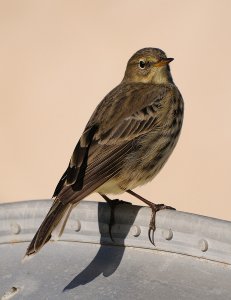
(163, 76)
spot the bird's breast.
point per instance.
(153, 149)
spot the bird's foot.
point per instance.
(113, 203)
(152, 225)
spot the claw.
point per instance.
(152, 225)
(151, 236)
(155, 208)
(163, 206)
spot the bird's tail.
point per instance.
(52, 226)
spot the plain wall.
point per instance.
(58, 59)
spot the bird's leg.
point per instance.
(112, 203)
(155, 208)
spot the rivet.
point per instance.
(15, 228)
(135, 230)
(76, 225)
(167, 234)
(203, 245)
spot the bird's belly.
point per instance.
(112, 186)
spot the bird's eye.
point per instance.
(142, 64)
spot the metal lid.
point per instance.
(85, 251)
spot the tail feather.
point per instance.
(55, 221)
(56, 218)
(68, 196)
(58, 230)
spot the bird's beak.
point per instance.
(163, 62)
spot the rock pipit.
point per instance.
(126, 142)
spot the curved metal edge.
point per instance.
(177, 232)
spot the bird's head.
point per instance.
(148, 65)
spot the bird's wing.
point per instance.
(125, 114)
(78, 160)
(138, 123)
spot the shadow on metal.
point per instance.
(107, 259)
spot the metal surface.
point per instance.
(191, 259)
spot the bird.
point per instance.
(125, 144)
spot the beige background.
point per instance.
(59, 58)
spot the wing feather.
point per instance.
(124, 115)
